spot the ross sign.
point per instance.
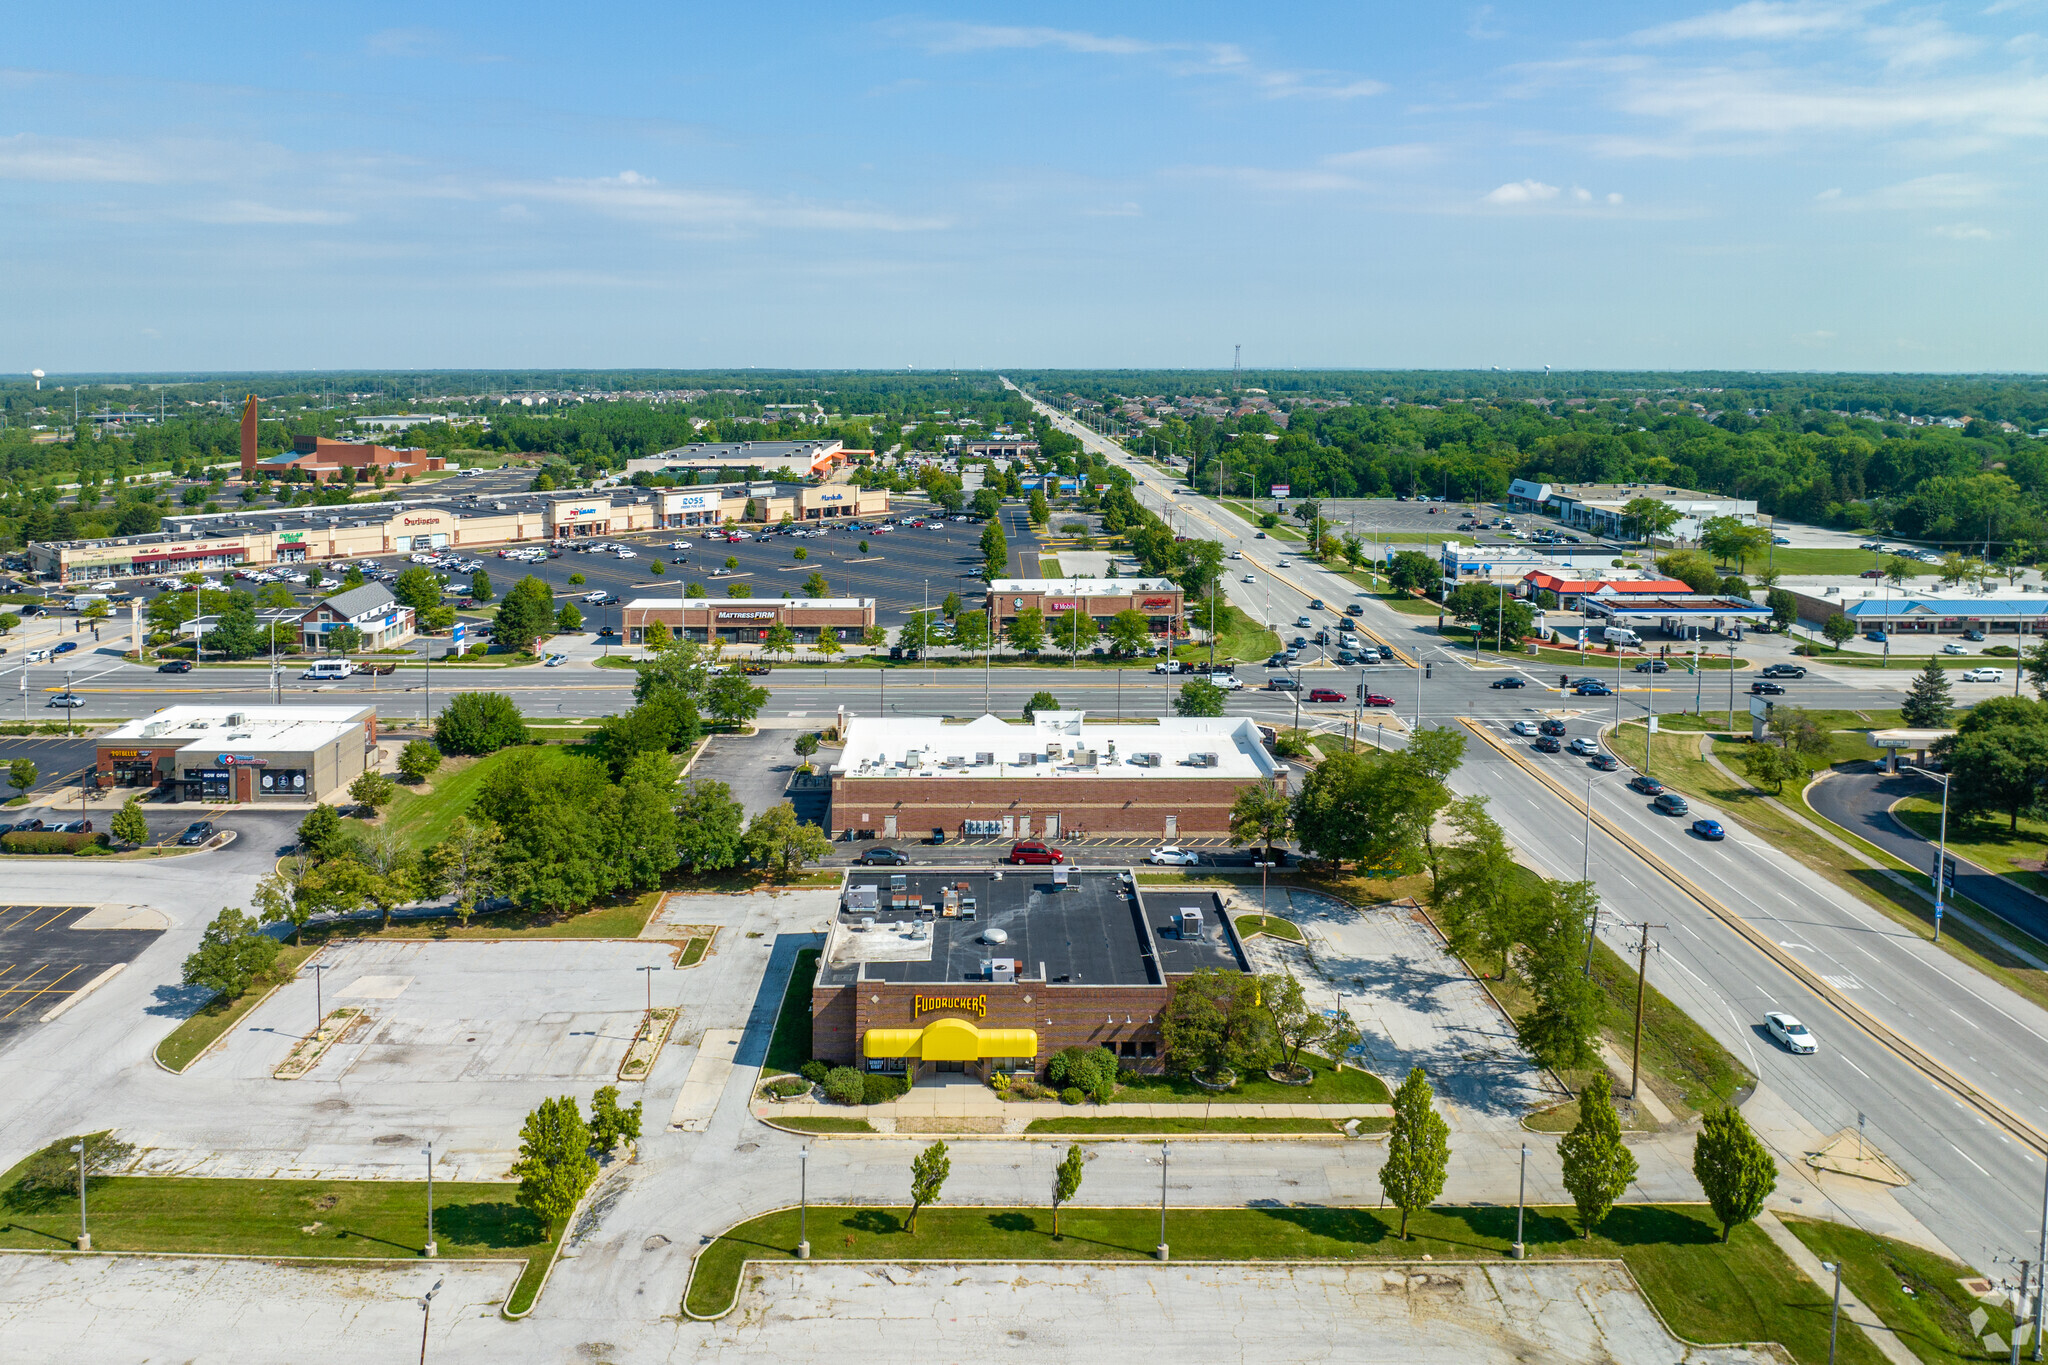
(976, 1005)
(240, 761)
(1283, 490)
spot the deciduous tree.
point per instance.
(928, 1172)
(1734, 1169)
(232, 953)
(1066, 1183)
(777, 838)
(554, 1165)
(1418, 1149)
(1598, 1166)
(1198, 697)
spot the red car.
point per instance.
(1325, 694)
(1375, 699)
(1031, 851)
(1871, 573)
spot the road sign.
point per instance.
(1945, 871)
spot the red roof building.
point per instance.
(1571, 591)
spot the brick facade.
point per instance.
(1099, 807)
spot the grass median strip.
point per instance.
(789, 1047)
(1247, 925)
(1916, 1293)
(349, 1219)
(184, 1044)
(1164, 1127)
(1744, 1290)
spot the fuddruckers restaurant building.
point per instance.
(925, 973)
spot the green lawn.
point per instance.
(1913, 662)
(1267, 924)
(1793, 562)
(1708, 1292)
(789, 1047)
(1913, 1292)
(614, 917)
(1238, 638)
(182, 1046)
(1331, 1086)
(1142, 1127)
(1987, 842)
(826, 1124)
(423, 819)
(1252, 512)
(355, 1219)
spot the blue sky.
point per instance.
(1811, 184)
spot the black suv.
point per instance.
(1652, 666)
(1550, 727)
(1785, 671)
(885, 857)
(1547, 744)
(1767, 689)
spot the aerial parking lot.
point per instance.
(50, 953)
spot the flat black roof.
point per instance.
(1095, 930)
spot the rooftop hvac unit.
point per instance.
(1083, 758)
(1146, 760)
(155, 728)
(1025, 760)
(899, 882)
(1002, 970)
(234, 718)
(1201, 760)
(1190, 922)
(955, 761)
(984, 760)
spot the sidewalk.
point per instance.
(1853, 1308)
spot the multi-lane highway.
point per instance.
(1978, 1181)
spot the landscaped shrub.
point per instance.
(1072, 1095)
(844, 1085)
(787, 1087)
(479, 723)
(48, 841)
(813, 1071)
(877, 1089)
(1084, 1068)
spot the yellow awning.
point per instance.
(949, 1040)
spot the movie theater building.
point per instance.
(747, 620)
(1160, 599)
(241, 754)
(1061, 776)
(929, 972)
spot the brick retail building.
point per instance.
(1062, 775)
(947, 971)
(747, 620)
(1159, 599)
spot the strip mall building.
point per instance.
(1061, 776)
(940, 971)
(361, 530)
(259, 754)
(1160, 599)
(747, 620)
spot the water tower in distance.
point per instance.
(37, 375)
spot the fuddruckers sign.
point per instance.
(976, 1005)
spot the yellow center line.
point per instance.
(44, 991)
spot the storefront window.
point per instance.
(282, 782)
(209, 784)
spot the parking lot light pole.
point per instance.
(650, 996)
(1262, 886)
(2041, 1268)
(803, 1198)
(432, 1247)
(1164, 1153)
(1521, 1198)
(84, 1237)
(427, 1316)
(319, 1009)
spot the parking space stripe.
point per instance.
(27, 912)
(54, 918)
(38, 994)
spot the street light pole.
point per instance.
(2041, 1266)
(1586, 874)
(1941, 868)
(1835, 1317)
(319, 1009)
(650, 996)
(427, 1316)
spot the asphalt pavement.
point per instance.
(1861, 802)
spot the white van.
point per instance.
(1622, 635)
(84, 600)
(329, 670)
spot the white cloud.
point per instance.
(1614, 197)
(1522, 192)
(1392, 156)
(241, 212)
(1480, 26)
(402, 42)
(1760, 21)
(1946, 190)
(1928, 42)
(994, 37)
(1778, 103)
(1186, 58)
(1965, 232)
(639, 198)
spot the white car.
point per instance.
(623, 553)
(1954, 649)
(597, 596)
(1251, 578)
(556, 660)
(1790, 1032)
(1990, 675)
(1169, 855)
(1229, 682)
(1523, 727)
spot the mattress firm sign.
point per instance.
(727, 614)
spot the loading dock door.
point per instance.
(888, 827)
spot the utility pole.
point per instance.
(1643, 946)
